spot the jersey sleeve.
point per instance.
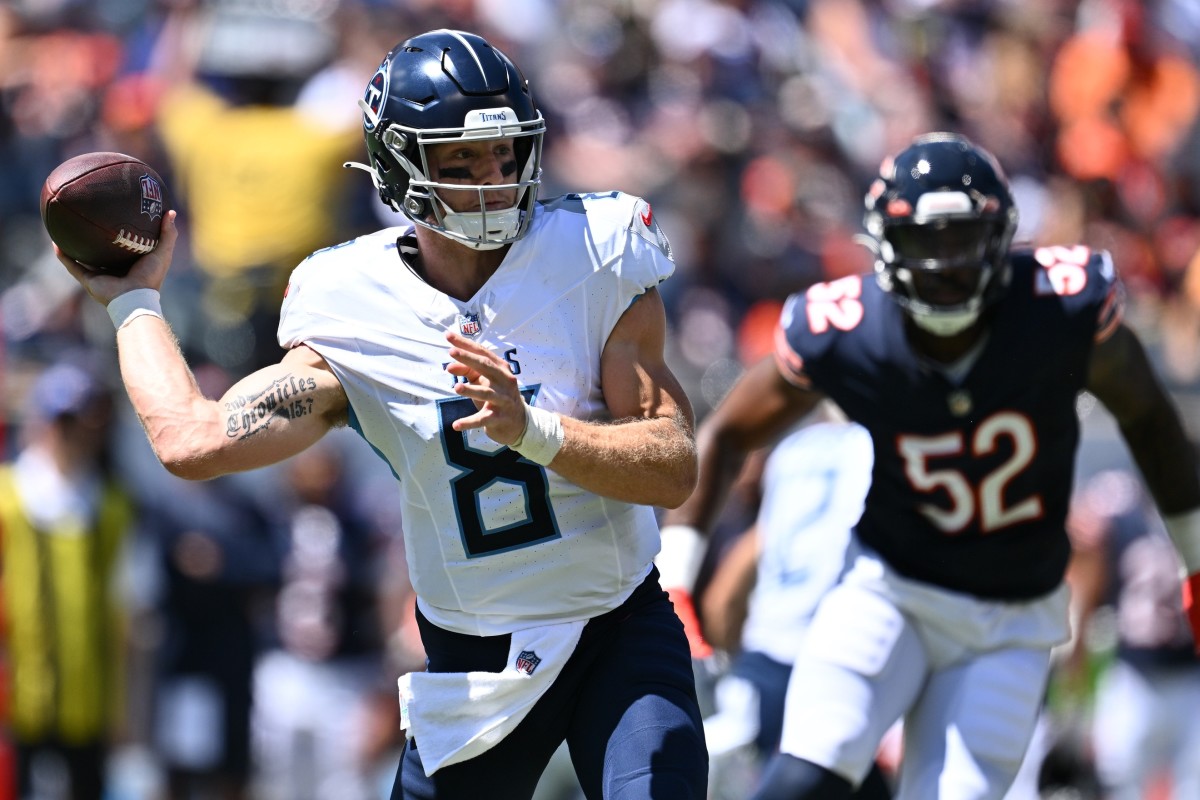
(1112, 307)
(649, 244)
(297, 317)
(319, 301)
(638, 249)
(787, 353)
(1085, 282)
(811, 327)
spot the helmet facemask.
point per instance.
(451, 86)
(408, 149)
(940, 219)
(945, 271)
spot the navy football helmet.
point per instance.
(450, 85)
(941, 218)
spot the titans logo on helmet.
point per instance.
(376, 93)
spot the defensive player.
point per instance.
(964, 360)
(504, 356)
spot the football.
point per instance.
(104, 209)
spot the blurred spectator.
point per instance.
(1145, 733)
(219, 567)
(260, 181)
(1121, 92)
(317, 691)
(65, 518)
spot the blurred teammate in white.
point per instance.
(504, 356)
(812, 489)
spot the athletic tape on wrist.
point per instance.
(1185, 533)
(680, 556)
(543, 436)
(124, 308)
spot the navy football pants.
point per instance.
(625, 703)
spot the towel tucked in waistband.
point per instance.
(455, 716)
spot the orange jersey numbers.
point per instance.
(837, 304)
(985, 503)
(1064, 270)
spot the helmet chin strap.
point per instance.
(380, 187)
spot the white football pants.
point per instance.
(968, 677)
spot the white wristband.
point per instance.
(124, 308)
(680, 556)
(542, 438)
(1184, 530)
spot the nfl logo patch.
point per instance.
(527, 661)
(152, 197)
(468, 324)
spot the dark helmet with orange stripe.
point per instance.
(941, 217)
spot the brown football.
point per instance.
(104, 209)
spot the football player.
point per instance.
(504, 355)
(765, 588)
(964, 358)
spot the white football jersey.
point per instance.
(814, 484)
(495, 543)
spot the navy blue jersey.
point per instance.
(972, 477)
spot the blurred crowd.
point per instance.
(241, 638)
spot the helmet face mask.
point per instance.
(450, 86)
(942, 218)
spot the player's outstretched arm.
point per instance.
(265, 418)
(726, 601)
(1121, 376)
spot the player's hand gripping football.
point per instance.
(148, 272)
(489, 381)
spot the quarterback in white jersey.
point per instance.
(482, 525)
(505, 358)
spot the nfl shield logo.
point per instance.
(468, 324)
(152, 197)
(527, 661)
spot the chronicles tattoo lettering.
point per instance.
(286, 397)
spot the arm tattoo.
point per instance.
(287, 397)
